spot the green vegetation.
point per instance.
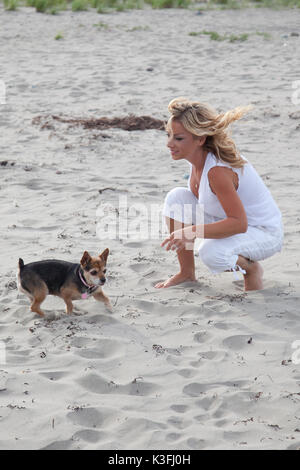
(240, 37)
(80, 5)
(108, 6)
(238, 4)
(101, 25)
(277, 3)
(169, 3)
(47, 6)
(214, 36)
(264, 35)
(11, 5)
(58, 36)
(138, 28)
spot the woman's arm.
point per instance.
(221, 181)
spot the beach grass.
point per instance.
(107, 6)
(80, 5)
(215, 36)
(239, 4)
(101, 26)
(47, 6)
(11, 5)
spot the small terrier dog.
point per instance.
(70, 281)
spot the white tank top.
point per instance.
(260, 207)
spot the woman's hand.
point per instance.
(182, 239)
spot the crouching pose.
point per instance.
(226, 202)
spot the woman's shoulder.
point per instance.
(215, 161)
(221, 174)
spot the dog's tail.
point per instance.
(21, 264)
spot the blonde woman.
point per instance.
(226, 202)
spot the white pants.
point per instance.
(221, 254)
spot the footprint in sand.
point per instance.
(202, 336)
(173, 436)
(212, 355)
(178, 422)
(238, 342)
(59, 445)
(101, 319)
(196, 389)
(208, 403)
(139, 267)
(100, 349)
(89, 435)
(91, 417)
(55, 375)
(179, 408)
(196, 444)
(97, 384)
(187, 373)
(216, 307)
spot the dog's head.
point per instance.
(94, 267)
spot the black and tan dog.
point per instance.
(70, 281)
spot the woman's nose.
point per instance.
(169, 143)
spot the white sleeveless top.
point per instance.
(260, 207)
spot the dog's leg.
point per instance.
(69, 308)
(38, 296)
(35, 306)
(67, 294)
(69, 305)
(101, 297)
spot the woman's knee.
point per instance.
(214, 258)
(206, 255)
(180, 204)
(179, 196)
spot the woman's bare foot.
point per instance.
(176, 279)
(254, 277)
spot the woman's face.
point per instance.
(182, 143)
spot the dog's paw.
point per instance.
(109, 307)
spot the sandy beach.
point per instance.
(198, 366)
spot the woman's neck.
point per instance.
(198, 160)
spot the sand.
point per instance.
(199, 366)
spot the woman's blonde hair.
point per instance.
(201, 120)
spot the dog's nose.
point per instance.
(103, 280)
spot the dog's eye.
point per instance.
(94, 272)
(104, 271)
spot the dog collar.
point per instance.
(90, 288)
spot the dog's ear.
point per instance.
(86, 258)
(104, 255)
